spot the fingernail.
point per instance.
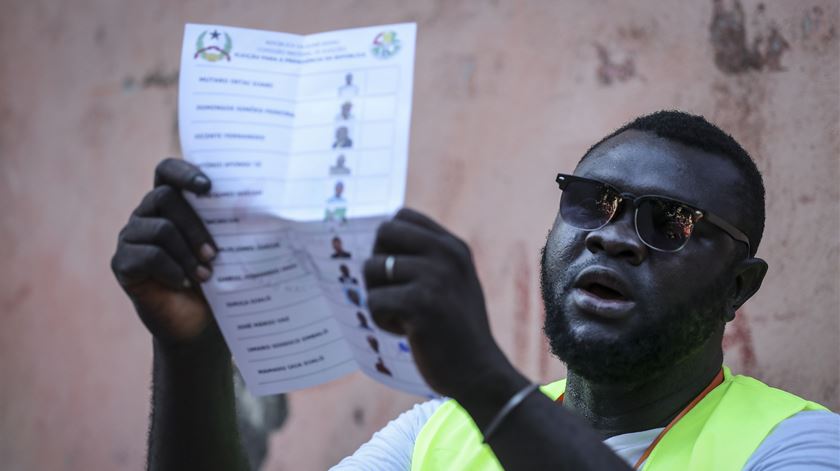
(207, 252)
(203, 273)
(201, 181)
(187, 283)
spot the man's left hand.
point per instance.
(433, 296)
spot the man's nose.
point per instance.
(618, 238)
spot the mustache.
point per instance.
(558, 280)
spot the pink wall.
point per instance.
(507, 93)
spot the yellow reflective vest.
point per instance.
(719, 433)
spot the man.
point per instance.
(342, 138)
(340, 167)
(338, 249)
(348, 90)
(344, 114)
(651, 254)
(346, 278)
(336, 209)
(363, 323)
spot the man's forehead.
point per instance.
(643, 163)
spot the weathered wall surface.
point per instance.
(507, 93)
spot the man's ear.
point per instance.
(749, 274)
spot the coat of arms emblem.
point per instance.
(213, 50)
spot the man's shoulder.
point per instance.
(817, 422)
(811, 436)
(758, 390)
(391, 448)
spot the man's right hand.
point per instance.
(164, 253)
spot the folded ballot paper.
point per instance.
(305, 139)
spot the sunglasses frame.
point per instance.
(563, 181)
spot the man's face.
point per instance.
(617, 310)
(336, 243)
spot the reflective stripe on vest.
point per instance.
(719, 433)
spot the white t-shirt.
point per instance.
(809, 440)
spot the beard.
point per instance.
(671, 333)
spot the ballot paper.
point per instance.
(305, 139)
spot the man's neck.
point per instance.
(614, 408)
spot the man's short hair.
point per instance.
(695, 131)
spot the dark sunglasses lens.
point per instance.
(587, 205)
(663, 224)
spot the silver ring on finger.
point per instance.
(390, 261)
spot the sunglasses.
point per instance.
(662, 223)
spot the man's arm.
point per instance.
(163, 254)
(193, 422)
(433, 296)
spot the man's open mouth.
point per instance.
(604, 292)
(603, 283)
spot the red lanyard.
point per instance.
(715, 383)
